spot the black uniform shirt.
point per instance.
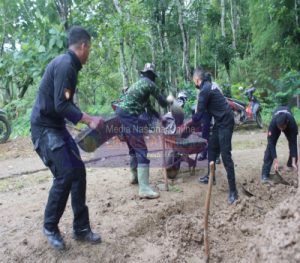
(290, 132)
(54, 100)
(213, 101)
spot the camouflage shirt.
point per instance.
(137, 97)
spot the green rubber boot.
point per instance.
(133, 170)
(145, 190)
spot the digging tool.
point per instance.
(207, 204)
(278, 179)
(246, 192)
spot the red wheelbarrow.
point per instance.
(181, 145)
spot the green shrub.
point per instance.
(296, 113)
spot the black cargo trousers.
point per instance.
(220, 142)
(59, 152)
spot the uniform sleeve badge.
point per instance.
(67, 93)
(269, 133)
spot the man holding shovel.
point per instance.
(282, 121)
(212, 101)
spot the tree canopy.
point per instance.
(237, 41)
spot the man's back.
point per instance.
(212, 100)
(137, 96)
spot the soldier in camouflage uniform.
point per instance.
(132, 105)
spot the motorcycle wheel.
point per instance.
(5, 129)
(173, 165)
(259, 121)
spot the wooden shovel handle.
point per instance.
(207, 204)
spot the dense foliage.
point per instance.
(238, 41)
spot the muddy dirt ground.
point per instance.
(169, 229)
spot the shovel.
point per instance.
(206, 214)
(278, 179)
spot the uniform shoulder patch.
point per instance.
(269, 133)
(67, 93)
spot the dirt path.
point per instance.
(168, 229)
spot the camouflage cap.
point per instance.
(149, 67)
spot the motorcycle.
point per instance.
(5, 128)
(246, 113)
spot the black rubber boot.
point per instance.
(55, 239)
(88, 236)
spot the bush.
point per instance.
(103, 110)
(296, 113)
(18, 113)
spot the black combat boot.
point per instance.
(265, 174)
(265, 178)
(233, 196)
(218, 160)
(233, 193)
(204, 179)
(87, 235)
(55, 239)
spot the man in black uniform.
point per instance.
(282, 121)
(211, 100)
(54, 144)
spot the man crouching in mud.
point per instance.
(54, 144)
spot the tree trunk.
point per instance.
(24, 87)
(160, 21)
(3, 41)
(62, 7)
(233, 22)
(197, 42)
(2, 46)
(169, 64)
(296, 14)
(152, 44)
(185, 40)
(216, 67)
(123, 65)
(223, 18)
